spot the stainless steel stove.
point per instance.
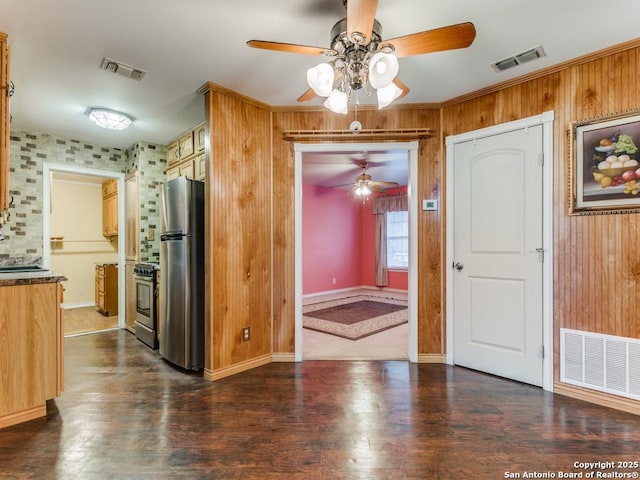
(146, 323)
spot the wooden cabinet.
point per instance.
(198, 138)
(199, 167)
(173, 153)
(186, 157)
(32, 362)
(110, 208)
(4, 123)
(132, 216)
(130, 296)
(107, 289)
(186, 145)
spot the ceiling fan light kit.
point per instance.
(360, 60)
(320, 79)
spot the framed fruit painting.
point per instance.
(604, 165)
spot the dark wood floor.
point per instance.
(126, 414)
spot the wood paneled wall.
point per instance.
(238, 243)
(430, 287)
(597, 272)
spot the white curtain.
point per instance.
(382, 205)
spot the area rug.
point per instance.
(355, 317)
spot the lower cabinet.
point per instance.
(107, 289)
(32, 362)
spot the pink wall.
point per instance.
(334, 218)
(331, 239)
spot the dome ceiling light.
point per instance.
(111, 119)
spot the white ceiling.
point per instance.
(57, 47)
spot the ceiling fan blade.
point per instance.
(360, 17)
(288, 47)
(402, 86)
(387, 184)
(308, 95)
(460, 35)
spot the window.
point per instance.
(398, 239)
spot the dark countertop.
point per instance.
(10, 279)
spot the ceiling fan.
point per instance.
(365, 186)
(361, 60)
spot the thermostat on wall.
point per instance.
(429, 204)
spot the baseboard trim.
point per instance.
(432, 358)
(69, 306)
(214, 375)
(599, 398)
(350, 289)
(283, 357)
(23, 416)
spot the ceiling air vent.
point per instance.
(519, 59)
(122, 69)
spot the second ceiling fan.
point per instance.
(359, 59)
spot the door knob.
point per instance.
(458, 266)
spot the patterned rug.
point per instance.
(355, 317)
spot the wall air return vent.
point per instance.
(600, 362)
(122, 69)
(519, 59)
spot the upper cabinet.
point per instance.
(185, 155)
(4, 123)
(110, 208)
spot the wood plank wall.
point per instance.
(238, 196)
(430, 247)
(597, 269)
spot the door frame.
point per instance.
(47, 169)
(546, 120)
(412, 189)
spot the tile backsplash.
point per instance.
(29, 151)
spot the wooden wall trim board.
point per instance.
(283, 357)
(236, 368)
(599, 398)
(227, 92)
(432, 358)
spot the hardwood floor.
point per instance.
(127, 414)
(79, 321)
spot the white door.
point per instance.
(497, 255)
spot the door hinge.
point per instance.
(541, 351)
(540, 254)
(541, 159)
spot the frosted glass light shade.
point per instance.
(337, 102)
(320, 79)
(383, 68)
(387, 95)
(110, 119)
(363, 190)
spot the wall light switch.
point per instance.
(429, 204)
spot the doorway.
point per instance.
(410, 152)
(86, 247)
(500, 275)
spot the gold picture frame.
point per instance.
(604, 165)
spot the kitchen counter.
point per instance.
(8, 279)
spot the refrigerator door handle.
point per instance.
(172, 236)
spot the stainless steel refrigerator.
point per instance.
(182, 273)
